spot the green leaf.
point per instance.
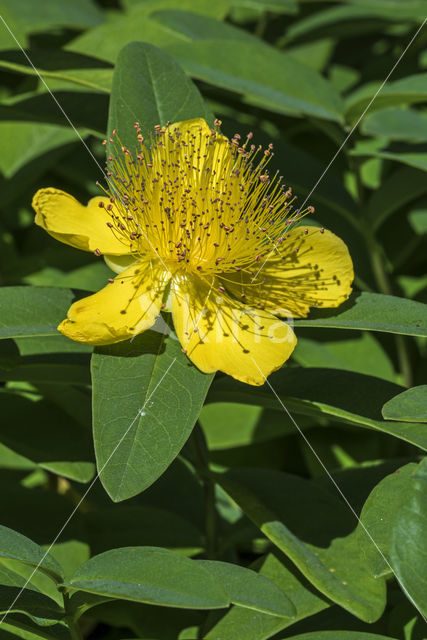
(342, 21)
(17, 547)
(15, 26)
(193, 26)
(217, 9)
(378, 515)
(321, 546)
(85, 108)
(408, 406)
(32, 311)
(265, 77)
(418, 221)
(390, 196)
(149, 87)
(227, 425)
(362, 354)
(27, 630)
(315, 55)
(134, 386)
(152, 575)
(37, 148)
(397, 124)
(91, 277)
(36, 606)
(342, 77)
(249, 589)
(49, 344)
(414, 155)
(338, 635)
(65, 451)
(21, 142)
(70, 555)
(276, 6)
(409, 90)
(341, 395)
(62, 69)
(372, 312)
(388, 8)
(107, 40)
(51, 14)
(408, 545)
(254, 625)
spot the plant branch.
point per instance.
(381, 276)
(201, 453)
(73, 625)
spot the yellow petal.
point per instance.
(118, 264)
(314, 269)
(125, 307)
(83, 227)
(219, 333)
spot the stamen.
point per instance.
(197, 201)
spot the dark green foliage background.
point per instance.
(230, 530)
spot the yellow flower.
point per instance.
(193, 223)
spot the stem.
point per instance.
(261, 24)
(201, 453)
(381, 277)
(73, 625)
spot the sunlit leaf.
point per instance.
(135, 433)
(17, 547)
(249, 589)
(410, 406)
(343, 396)
(150, 88)
(409, 90)
(373, 312)
(408, 546)
(152, 575)
(322, 546)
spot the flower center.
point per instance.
(197, 201)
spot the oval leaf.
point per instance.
(323, 546)
(339, 635)
(249, 589)
(136, 434)
(409, 541)
(239, 622)
(408, 406)
(32, 311)
(409, 90)
(149, 87)
(373, 312)
(152, 575)
(17, 547)
(318, 392)
(266, 77)
(36, 606)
